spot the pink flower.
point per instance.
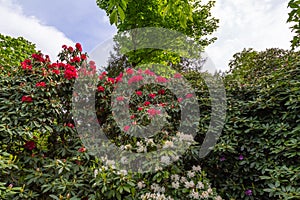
(40, 84)
(189, 95)
(135, 79)
(177, 75)
(126, 128)
(132, 117)
(152, 112)
(81, 149)
(139, 93)
(129, 71)
(161, 79)
(120, 98)
(179, 100)
(149, 72)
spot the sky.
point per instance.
(257, 24)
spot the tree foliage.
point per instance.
(294, 18)
(13, 51)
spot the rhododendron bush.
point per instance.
(46, 158)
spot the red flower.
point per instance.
(139, 93)
(38, 57)
(161, 92)
(161, 79)
(132, 117)
(152, 95)
(126, 128)
(64, 46)
(111, 80)
(119, 78)
(83, 57)
(56, 71)
(70, 125)
(75, 59)
(120, 98)
(30, 145)
(40, 84)
(26, 64)
(101, 88)
(26, 99)
(140, 108)
(70, 72)
(81, 149)
(70, 49)
(78, 47)
(147, 103)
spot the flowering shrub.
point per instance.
(51, 162)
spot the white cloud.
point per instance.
(15, 23)
(257, 24)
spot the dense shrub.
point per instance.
(257, 156)
(49, 160)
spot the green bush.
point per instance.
(258, 154)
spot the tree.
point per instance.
(13, 51)
(140, 14)
(294, 17)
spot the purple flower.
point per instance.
(248, 192)
(222, 158)
(241, 157)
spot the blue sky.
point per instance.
(257, 24)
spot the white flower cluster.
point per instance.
(156, 188)
(155, 196)
(141, 148)
(141, 184)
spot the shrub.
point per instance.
(38, 131)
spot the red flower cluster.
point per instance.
(26, 64)
(101, 88)
(120, 98)
(70, 125)
(126, 128)
(139, 93)
(70, 72)
(152, 95)
(40, 84)
(30, 145)
(39, 57)
(147, 103)
(161, 79)
(78, 47)
(26, 99)
(75, 59)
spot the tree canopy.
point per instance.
(294, 17)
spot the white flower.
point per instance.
(123, 172)
(127, 147)
(204, 194)
(168, 144)
(218, 198)
(124, 160)
(96, 172)
(141, 184)
(175, 177)
(175, 185)
(165, 159)
(200, 185)
(190, 174)
(194, 195)
(190, 184)
(209, 190)
(197, 168)
(183, 179)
